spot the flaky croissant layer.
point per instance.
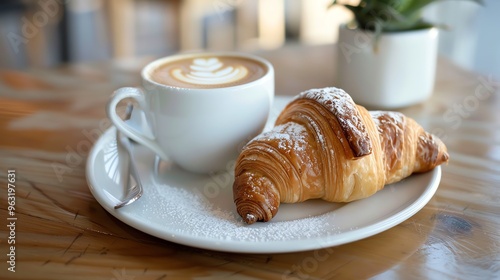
(325, 146)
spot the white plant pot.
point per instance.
(398, 71)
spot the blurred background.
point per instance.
(46, 33)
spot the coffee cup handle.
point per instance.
(140, 137)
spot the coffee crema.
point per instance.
(209, 72)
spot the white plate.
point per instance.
(198, 210)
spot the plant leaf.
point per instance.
(390, 15)
(418, 5)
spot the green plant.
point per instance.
(390, 15)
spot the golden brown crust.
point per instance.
(343, 109)
(396, 143)
(256, 198)
(313, 153)
(432, 152)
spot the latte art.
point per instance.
(210, 71)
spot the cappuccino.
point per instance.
(199, 72)
(200, 107)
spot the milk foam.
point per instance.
(210, 71)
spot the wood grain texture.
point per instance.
(49, 119)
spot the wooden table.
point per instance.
(61, 232)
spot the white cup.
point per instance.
(202, 130)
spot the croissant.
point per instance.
(325, 146)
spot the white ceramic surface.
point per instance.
(198, 210)
(400, 72)
(199, 129)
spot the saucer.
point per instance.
(198, 210)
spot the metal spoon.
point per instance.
(136, 190)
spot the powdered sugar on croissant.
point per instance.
(325, 146)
